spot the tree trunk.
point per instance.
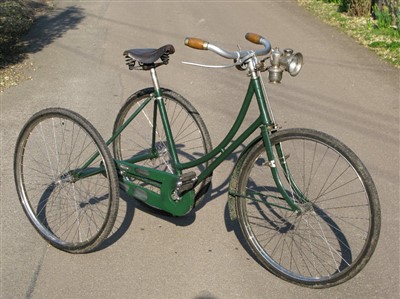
(393, 6)
(361, 8)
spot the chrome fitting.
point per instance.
(284, 61)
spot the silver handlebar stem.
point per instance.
(240, 54)
(222, 52)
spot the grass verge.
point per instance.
(384, 42)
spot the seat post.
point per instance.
(156, 84)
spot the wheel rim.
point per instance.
(69, 213)
(331, 233)
(137, 137)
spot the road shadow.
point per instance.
(52, 26)
(49, 25)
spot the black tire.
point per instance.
(190, 134)
(337, 232)
(74, 215)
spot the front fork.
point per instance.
(293, 201)
(282, 161)
(268, 122)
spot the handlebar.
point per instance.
(200, 44)
(280, 61)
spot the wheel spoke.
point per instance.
(189, 133)
(338, 226)
(73, 215)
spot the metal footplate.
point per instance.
(186, 182)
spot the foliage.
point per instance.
(378, 35)
(15, 19)
(387, 22)
(387, 45)
(382, 16)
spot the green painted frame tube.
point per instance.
(168, 133)
(222, 150)
(128, 121)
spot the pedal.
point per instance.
(186, 182)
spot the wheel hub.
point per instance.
(64, 179)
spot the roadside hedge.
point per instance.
(16, 17)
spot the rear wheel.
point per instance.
(72, 211)
(190, 134)
(336, 233)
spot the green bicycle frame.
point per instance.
(220, 152)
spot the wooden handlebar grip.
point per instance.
(254, 38)
(196, 43)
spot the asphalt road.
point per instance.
(343, 89)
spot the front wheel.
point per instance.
(336, 233)
(66, 180)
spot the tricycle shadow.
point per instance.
(124, 221)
